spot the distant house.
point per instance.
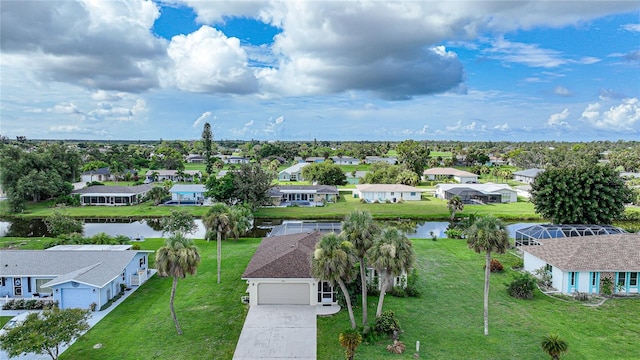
(292, 173)
(374, 159)
(102, 174)
(478, 193)
(112, 195)
(237, 160)
(526, 176)
(172, 175)
(387, 192)
(188, 193)
(581, 264)
(73, 275)
(460, 176)
(195, 159)
(315, 159)
(345, 160)
(279, 273)
(312, 195)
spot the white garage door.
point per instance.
(75, 298)
(283, 294)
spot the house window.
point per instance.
(40, 289)
(325, 293)
(594, 279)
(413, 193)
(142, 262)
(572, 279)
(123, 278)
(392, 193)
(622, 278)
(633, 279)
(548, 268)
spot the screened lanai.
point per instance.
(529, 235)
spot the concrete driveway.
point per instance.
(278, 332)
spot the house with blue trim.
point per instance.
(73, 275)
(581, 264)
(188, 193)
(292, 173)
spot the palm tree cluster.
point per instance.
(362, 242)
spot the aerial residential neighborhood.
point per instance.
(319, 180)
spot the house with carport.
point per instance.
(279, 273)
(387, 192)
(73, 275)
(581, 264)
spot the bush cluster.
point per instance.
(496, 266)
(29, 304)
(98, 239)
(387, 323)
(522, 286)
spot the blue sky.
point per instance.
(329, 70)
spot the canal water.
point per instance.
(150, 228)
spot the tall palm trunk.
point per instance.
(347, 299)
(363, 279)
(487, 274)
(219, 249)
(383, 291)
(173, 311)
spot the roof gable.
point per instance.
(286, 256)
(620, 252)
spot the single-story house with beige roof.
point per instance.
(460, 176)
(581, 264)
(305, 195)
(387, 192)
(173, 175)
(279, 273)
(112, 195)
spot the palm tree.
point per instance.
(240, 219)
(488, 235)
(157, 193)
(350, 339)
(116, 168)
(554, 346)
(217, 219)
(177, 258)
(454, 205)
(358, 228)
(334, 261)
(391, 255)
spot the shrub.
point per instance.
(607, 286)
(135, 247)
(387, 323)
(454, 233)
(398, 347)
(580, 296)
(496, 266)
(522, 286)
(544, 277)
(398, 291)
(412, 284)
(94, 183)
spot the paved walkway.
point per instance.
(278, 332)
(96, 316)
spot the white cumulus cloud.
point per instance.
(623, 117)
(559, 119)
(205, 115)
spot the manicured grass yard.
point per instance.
(447, 319)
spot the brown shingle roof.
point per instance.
(286, 256)
(620, 252)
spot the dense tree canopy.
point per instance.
(580, 195)
(44, 333)
(413, 155)
(324, 173)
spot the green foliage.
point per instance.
(222, 189)
(580, 195)
(324, 173)
(60, 223)
(554, 346)
(522, 286)
(350, 339)
(387, 323)
(454, 205)
(180, 221)
(68, 200)
(207, 139)
(252, 184)
(44, 333)
(413, 155)
(454, 233)
(606, 287)
(158, 194)
(381, 173)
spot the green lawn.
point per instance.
(446, 319)
(210, 314)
